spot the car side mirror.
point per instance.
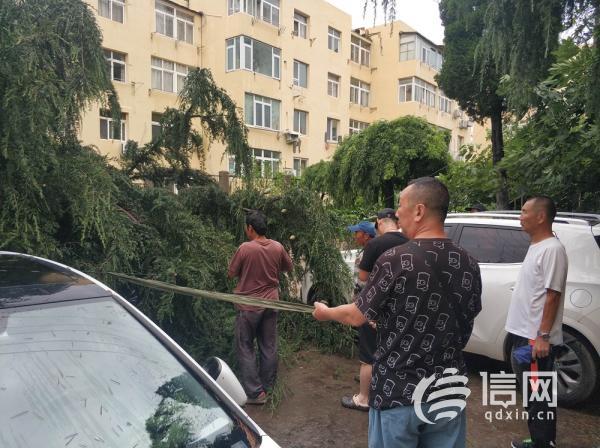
(224, 377)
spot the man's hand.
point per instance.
(321, 311)
(541, 348)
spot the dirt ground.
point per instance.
(310, 414)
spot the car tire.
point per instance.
(576, 368)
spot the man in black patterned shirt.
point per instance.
(424, 297)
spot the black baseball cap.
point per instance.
(387, 213)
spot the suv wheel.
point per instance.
(576, 370)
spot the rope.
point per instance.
(233, 298)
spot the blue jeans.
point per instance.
(400, 427)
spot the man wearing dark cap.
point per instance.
(477, 207)
(389, 236)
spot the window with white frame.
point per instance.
(267, 10)
(300, 25)
(110, 129)
(357, 126)
(333, 85)
(261, 111)
(359, 92)
(415, 89)
(232, 165)
(333, 126)
(333, 39)
(174, 23)
(167, 75)
(246, 6)
(431, 56)
(245, 53)
(267, 161)
(116, 65)
(360, 51)
(407, 47)
(299, 166)
(112, 9)
(156, 126)
(300, 74)
(445, 104)
(413, 46)
(300, 121)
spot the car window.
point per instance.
(494, 244)
(87, 373)
(450, 229)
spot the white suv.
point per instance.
(498, 242)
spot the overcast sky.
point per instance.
(422, 15)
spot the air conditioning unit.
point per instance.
(463, 124)
(339, 138)
(457, 113)
(291, 137)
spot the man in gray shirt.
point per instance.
(536, 311)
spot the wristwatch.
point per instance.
(545, 336)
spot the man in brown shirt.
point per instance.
(257, 263)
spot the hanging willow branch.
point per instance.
(232, 298)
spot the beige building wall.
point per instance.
(137, 38)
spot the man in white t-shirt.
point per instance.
(536, 312)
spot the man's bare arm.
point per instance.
(550, 310)
(346, 314)
(541, 347)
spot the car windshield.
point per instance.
(88, 374)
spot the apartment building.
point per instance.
(303, 79)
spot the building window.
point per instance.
(357, 126)
(359, 92)
(360, 51)
(333, 39)
(110, 129)
(174, 23)
(300, 121)
(333, 85)
(156, 126)
(245, 53)
(460, 142)
(262, 112)
(332, 130)
(445, 104)
(300, 74)
(413, 46)
(432, 57)
(269, 11)
(415, 89)
(267, 161)
(116, 65)
(168, 76)
(112, 9)
(407, 47)
(299, 166)
(300, 25)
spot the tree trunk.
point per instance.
(497, 155)
(388, 194)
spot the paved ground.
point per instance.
(310, 414)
